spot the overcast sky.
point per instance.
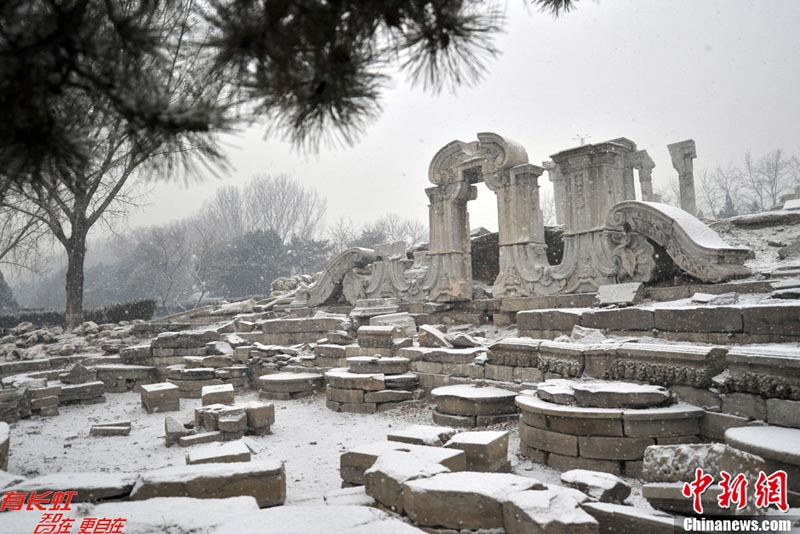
(725, 73)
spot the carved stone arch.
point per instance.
(693, 246)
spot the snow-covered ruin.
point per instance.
(564, 379)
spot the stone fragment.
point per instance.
(546, 511)
(174, 430)
(344, 379)
(485, 451)
(618, 519)
(388, 395)
(462, 340)
(291, 383)
(603, 487)
(394, 365)
(384, 480)
(200, 438)
(430, 336)
(435, 436)
(356, 461)
(230, 452)
(218, 394)
(465, 500)
(403, 320)
(628, 294)
(77, 374)
(467, 400)
(91, 486)
(678, 463)
(263, 480)
(117, 428)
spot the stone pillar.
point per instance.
(559, 196)
(642, 162)
(596, 177)
(682, 154)
(450, 275)
(521, 229)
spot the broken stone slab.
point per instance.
(200, 438)
(402, 320)
(343, 379)
(468, 400)
(378, 336)
(208, 362)
(619, 395)
(485, 451)
(218, 394)
(91, 486)
(546, 511)
(678, 463)
(434, 436)
(291, 382)
(587, 336)
(186, 339)
(619, 519)
(464, 500)
(392, 365)
(462, 340)
(668, 497)
(557, 391)
(233, 424)
(265, 480)
(353, 463)
(776, 445)
(77, 374)
(430, 336)
(323, 519)
(603, 487)
(407, 381)
(715, 300)
(219, 453)
(174, 430)
(117, 428)
(628, 294)
(339, 337)
(89, 392)
(384, 480)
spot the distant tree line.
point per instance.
(755, 184)
(241, 240)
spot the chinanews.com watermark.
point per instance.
(739, 524)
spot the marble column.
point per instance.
(682, 154)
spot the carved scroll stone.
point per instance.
(331, 280)
(692, 245)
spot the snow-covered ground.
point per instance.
(308, 437)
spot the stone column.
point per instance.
(450, 275)
(559, 195)
(521, 229)
(682, 154)
(642, 162)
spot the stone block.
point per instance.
(457, 421)
(527, 374)
(602, 448)
(388, 395)
(745, 405)
(291, 382)
(402, 320)
(678, 463)
(234, 423)
(549, 441)
(628, 319)
(200, 438)
(546, 511)
(174, 430)
(260, 417)
(43, 402)
(394, 365)
(499, 372)
(725, 319)
(675, 420)
(344, 395)
(435, 436)
(358, 407)
(357, 460)
(49, 391)
(563, 320)
(783, 412)
(263, 480)
(467, 400)
(219, 453)
(462, 500)
(697, 396)
(90, 486)
(384, 480)
(775, 320)
(161, 397)
(618, 519)
(218, 394)
(485, 451)
(343, 379)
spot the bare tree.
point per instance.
(281, 204)
(711, 196)
(167, 249)
(774, 170)
(548, 206)
(224, 214)
(341, 233)
(20, 235)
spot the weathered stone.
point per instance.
(375, 365)
(118, 428)
(77, 374)
(404, 321)
(344, 379)
(618, 395)
(291, 382)
(561, 462)
(435, 436)
(356, 461)
(485, 451)
(715, 424)
(233, 451)
(430, 336)
(234, 423)
(745, 405)
(618, 519)
(602, 487)
(783, 412)
(161, 397)
(472, 401)
(633, 319)
(218, 394)
(462, 500)
(200, 438)
(676, 420)
(378, 336)
(678, 463)
(344, 395)
(546, 440)
(388, 395)
(603, 448)
(174, 430)
(358, 407)
(90, 486)
(546, 511)
(384, 480)
(628, 294)
(462, 340)
(263, 480)
(699, 319)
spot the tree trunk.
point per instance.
(76, 253)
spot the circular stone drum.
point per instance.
(288, 386)
(472, 406)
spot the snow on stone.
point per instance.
(322, 519)
(478, 437)
(404, 466)
(472, 392)
(496, 486)
(769, 442)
